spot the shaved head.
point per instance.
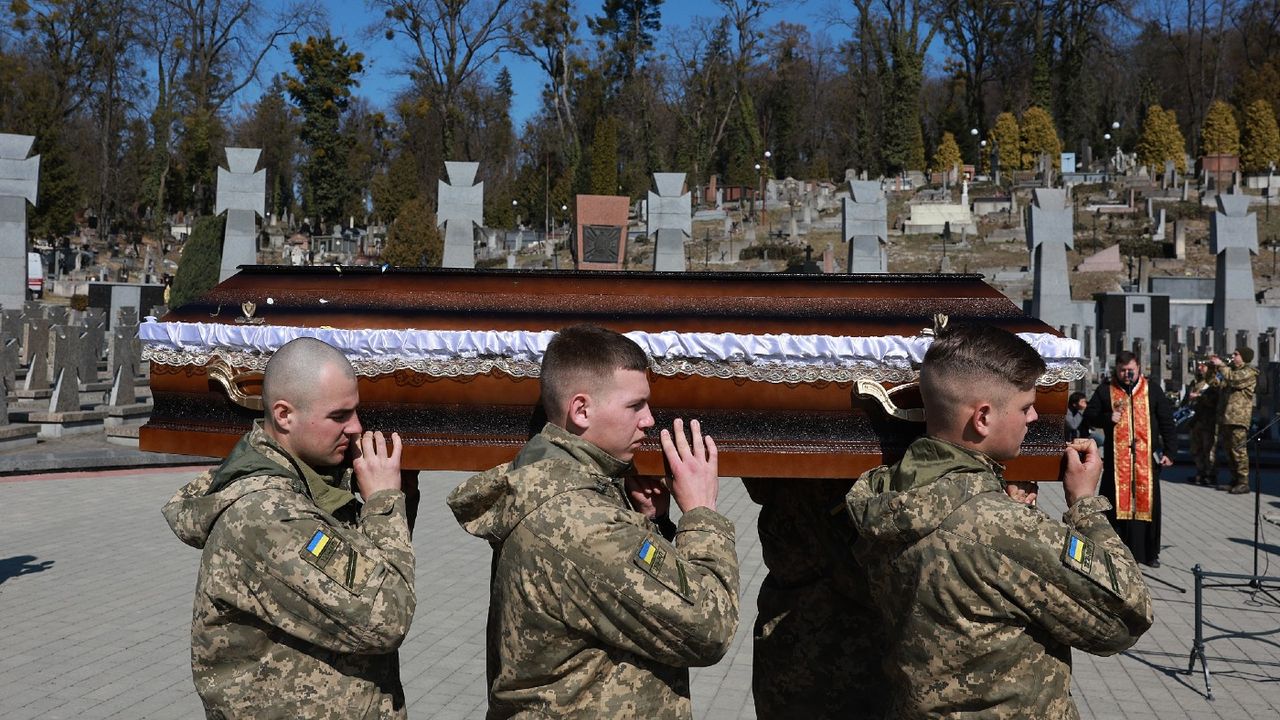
(292, 371)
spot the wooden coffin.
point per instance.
(782, 370)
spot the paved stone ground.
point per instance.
(95, 598)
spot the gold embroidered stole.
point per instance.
(1131, 452)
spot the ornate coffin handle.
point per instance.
(220, 372)
(875, 391)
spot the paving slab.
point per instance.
(95, 606)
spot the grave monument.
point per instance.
(865, 226)
(242, 195)
(19, 178)
(461, 212)
(1049, 234)
(1233, 239)
(669, 221)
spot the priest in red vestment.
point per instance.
(1137, 419)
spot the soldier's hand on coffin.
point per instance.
(649, 495)
(1081, 470)
(695, 479)
(377, 464)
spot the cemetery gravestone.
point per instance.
(19, 180)
(242, 196)
(601, 237)
(36, 383)
(1233, 239)
(461, 203)
(669, 221)
(1049, 235)
(864, 225)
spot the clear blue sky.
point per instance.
(349, 19)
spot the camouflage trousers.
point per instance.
(1233, 437)
(815, 657)
(1204, 439)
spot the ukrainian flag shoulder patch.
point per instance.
(1077, 553)
(650, 556)
(317, 543)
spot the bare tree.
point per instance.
(451, 41)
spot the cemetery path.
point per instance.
(95, 608)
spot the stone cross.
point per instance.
(461, 210)
(865, 226)
(68, 351)
(122, 390)
(1233, 238)
(37, 354)
(242, 196)
(11, 326)
(669, 221)
(19, 180)
(8, 368)
(1049, 235)
(66, 391)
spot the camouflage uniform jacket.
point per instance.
(984, 597)
(298, 610)
(1236, 389)
(592, 613)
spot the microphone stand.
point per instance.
(1255, 581)
(1254, 439)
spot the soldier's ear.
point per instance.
(980, 418)
(580, 411)
(283, 414)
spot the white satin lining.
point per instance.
(832, 350)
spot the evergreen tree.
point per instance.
(1220, 135)
(322, 91)
(630, 26)
(1161, 140)
(1039, 136)
(413, 240)
(1005, 136)
(201, 260)
(1177, 143)
(397, 186)
(947, 156)
(604, 157)
(1261, 143)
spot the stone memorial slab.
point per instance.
(669, 221)
(864, 225)
(1049, 235)
(19, 181)
(601, 237)
(1233, 239)
(242, 196)
(461, 211)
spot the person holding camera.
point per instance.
(1139, 439)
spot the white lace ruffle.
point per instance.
(450, 353)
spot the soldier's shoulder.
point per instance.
(990, 518)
